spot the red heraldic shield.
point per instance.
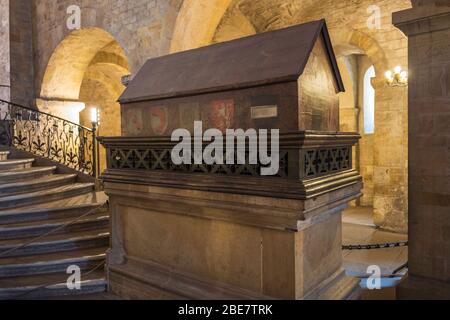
(222, 115)
(159, 119)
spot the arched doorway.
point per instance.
(83, 73)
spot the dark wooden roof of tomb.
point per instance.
(267, 58)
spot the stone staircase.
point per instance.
(35, 201)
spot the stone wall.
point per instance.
(16, 52)
(366, 144)
(428, 29)
(142, 27)
(4, 50)
(21, 62)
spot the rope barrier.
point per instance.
(376, 246)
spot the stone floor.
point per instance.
(358, 228)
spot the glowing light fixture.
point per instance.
(95, 118)
(397, 78)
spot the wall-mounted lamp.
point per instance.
(95, 120)
(95, 117)
(397, 78)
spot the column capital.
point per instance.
(422, 19)
(423, 3)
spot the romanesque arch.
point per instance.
(196, 23)
(84, 72)
(68, 64)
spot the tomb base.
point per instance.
(199, 236)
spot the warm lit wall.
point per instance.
(4, 50)
(16, 55)
(366, 144)
(115, 39)
(348, 108)
(143, 28)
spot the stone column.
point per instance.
(390, 157)
(5, 81)
(427, 25)
(16, 52)
(21, 47)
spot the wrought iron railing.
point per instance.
(48, 136)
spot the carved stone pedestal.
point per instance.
(179, 234)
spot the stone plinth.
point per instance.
(180, 234)
(428, 29)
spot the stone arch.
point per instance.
(85, 72)
(84, 53)
(66, 68)
(197, 23)
(348, 41)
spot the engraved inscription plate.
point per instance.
(264, 112)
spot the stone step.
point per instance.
(51, 263)
(71, 207)
(16, 164)
(56, 243)
(36, 184)
(17, 201)
(33, 229)
(33, 202)
(25, 174)
(37, 287)
(4, 155)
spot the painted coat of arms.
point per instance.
(222, 114)
(159, 119)
(134, 125)
(189, 113)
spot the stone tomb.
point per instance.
(224, 231)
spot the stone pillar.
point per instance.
(5, 81)
(427, 26)
(21, 48)
(16, 52)
(390, 157)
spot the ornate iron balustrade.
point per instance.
(48, 136)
